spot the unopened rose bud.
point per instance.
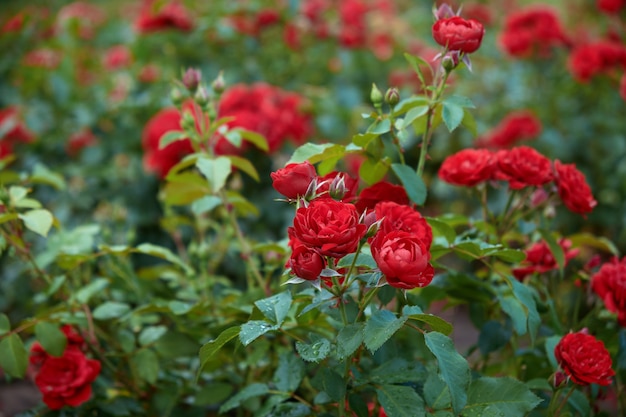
(559, 379)
(311, 191)
(202, 96)
(176, 96)
(192, 78)
(337, 188)
(392, 96)
(376, 96)
(187, 122)
(450, 61)
(443, 12)
(219, 85)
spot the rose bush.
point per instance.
(239, 231)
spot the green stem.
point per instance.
(562, 404)
(434, 102)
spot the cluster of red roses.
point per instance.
(520, 167)
(271, 111)
(540, 259)
(333, 220)
(610, 285)
(66, 379)
(516, 126)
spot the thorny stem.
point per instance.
(429, 120)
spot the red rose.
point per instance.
(353, 26)
(591, 59)
(402, 217)
(305, 262)
(458, 34)
(516, 126)
(468, 167)
(381, 191)
(532, 32)
(160, 161)
(155, 17)
(611, 6)
(13, 128)
(584, 359)
(523, 166)
(294, 180)
(610, 285)
(403, 258)
(329, 226)
(80, 140)
(117, 57)
(539, 258)
(573, 188)
(337, 185)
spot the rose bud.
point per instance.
(392, 96)
(458, 34)
(191, 79)
(293, 181)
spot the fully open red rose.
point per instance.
(539, 258)
(532, 32)
(610, 285)
(573, 188)
(329, 226)
(523, 166)
(458, 34)
(402, 217)
(293, 180)
(515, 126)
(403, 258)
(584, 359)
(468, 167)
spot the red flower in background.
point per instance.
(117, 57)
(86, 16)
(468, 167)
(591, 59)
(458, 34)
(80, 140)
(160, 161)
(523, 166)
(64, 380)
(573, 188)
(540, 259)
(403, 258)
(156, 16)
(610, 285)
(294, 180)
(12, 130)
(353, 26)
(330, 227)
(516, 126)
(46, 58)
(611, 6)
(532, 32)
(381, 191)
(274, 113)
(584, 359)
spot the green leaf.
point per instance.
(52, 339)
(579, 401)
(453, 368)
(13, 356)
(436, 323)
(436, 392)
(493, 336)
(363, 139)
(414, 114)
(170, 137)
(254, 138)
(549, 345)
(251, 391)
(42, 175)
(470, 123)
(460, 101)
(415, 62)
(441, 228)
(380, 327)
(215, 170)
(17, 193)
(516, 311)
(331, 383)
(508, 255)
(5, 324)
(380, 127)
(400, 401)
(110, 310)
(151, 334)
(314, 351)
(253, 329)
(39, 221)
(146, 365)
(363, 260)
(555, 248)
(205, 204)
(163, 253)
(276, 307)
(213, 393)
(84, 294)
(452, 115)
(349, 339)
(499, 397)
(289, 373)
(209, 349)
(525, 295)
(309, 150)
(398, 371)
(413, 184)
(598, 242)
(244, 165)
(373, 171)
